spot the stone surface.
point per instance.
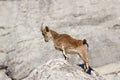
(3, 76)
(110, 71)
(59, 69)
(22, 46)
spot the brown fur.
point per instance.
(67, 44)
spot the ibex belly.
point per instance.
(71, 51)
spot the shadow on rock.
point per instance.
(88, 71)
(3, 67)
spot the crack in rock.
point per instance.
(12, 50)
(3, 67)
(5, 34)
(1, 51)
(113, 73)
(28, 74)
(25, 40)
(1, 27)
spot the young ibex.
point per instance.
(66, 44)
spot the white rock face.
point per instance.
(59, 69)
(110, 71)
(22, 47)
(3, 76)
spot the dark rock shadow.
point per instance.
(3, 67)
(89, 70)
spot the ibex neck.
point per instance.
(54, 34)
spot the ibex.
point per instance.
(66, 44)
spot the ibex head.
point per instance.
(46, 33)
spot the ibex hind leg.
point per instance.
(86, 67)
(85, 59)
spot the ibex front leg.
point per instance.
(64, 53)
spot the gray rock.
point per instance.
(60, 69)
(22, 47)
(3, 76)
(110, 71)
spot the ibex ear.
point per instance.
(47, 29)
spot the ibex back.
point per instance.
(66, 44)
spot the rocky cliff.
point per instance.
(59, 69)
(22, 47)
